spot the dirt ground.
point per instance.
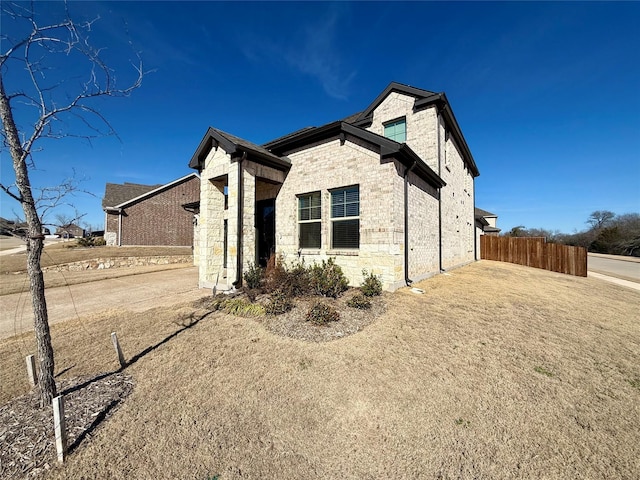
(497, 371)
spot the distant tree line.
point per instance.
(607, 233)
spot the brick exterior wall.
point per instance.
(330, 164)
(158, 219)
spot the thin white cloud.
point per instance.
(312, 51)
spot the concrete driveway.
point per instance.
(135, 293)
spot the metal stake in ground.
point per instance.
(60, 427)
(116, 345)
(31, 370)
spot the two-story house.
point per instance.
(389, 190)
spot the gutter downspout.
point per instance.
(439, 196)
(475, 237)
(407, 170)
(119, 227)
(238, 282)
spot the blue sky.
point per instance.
(547, 94)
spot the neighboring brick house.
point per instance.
(70, 231)
(150, 214)
(390, 190)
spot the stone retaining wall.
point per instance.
(119, 262)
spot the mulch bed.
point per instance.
(352, 320)
(27, 445)
(294, 323)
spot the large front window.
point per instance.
(309, 223)
(345, 218)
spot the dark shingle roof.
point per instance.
(116, 193)
(484, 213)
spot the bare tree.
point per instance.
(55, 104)
(600, 219)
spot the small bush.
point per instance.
(371, 284)
(295, 281)
(360, 302)
(320, 313)
(99, 241)
(279, 303)
(327, 279)
(253, 276)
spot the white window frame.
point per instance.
(345, 218)
(318, 220)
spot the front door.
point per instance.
(266, 229)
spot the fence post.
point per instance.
(60, 427)
(116, 345)
(31, 370)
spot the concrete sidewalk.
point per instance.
(617, 281)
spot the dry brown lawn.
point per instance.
(60, 253)
(497, 371)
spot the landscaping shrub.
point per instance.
(294, 281)
(327, 279)
(279, 303)
(253, 276)
(320, 313)
(359, 301)
(371, 284)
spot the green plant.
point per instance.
(462, 422)
(242, 308)
(371, 284)
(327, 279)
(279, 303)
(359, 301)
(634, 383)
(320, 313)
(253, 276)
(543, 371)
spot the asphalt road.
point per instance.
(627, 268)
(134, 293)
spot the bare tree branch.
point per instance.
(51, 101)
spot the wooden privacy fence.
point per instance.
(535, 252)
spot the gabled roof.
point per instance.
(386, 147)
(484, 213)
(150, 191)
(424, 99)
(116, 193)
(235, 147)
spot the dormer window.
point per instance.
(396, 130)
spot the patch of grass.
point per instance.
(462, 422)
(543, 371)
(367, 405)
(57, 254)
(635, 383)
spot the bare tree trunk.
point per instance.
(35, 245)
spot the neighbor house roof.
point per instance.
(235, 147)
(484, 213)
(116, 193)
(142, 192)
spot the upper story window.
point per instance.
(309, 220)
(396, 130)
(345, 217)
